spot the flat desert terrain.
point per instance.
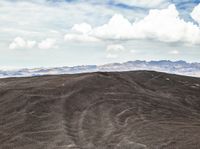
(102, 110)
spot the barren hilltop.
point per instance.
(101, 110)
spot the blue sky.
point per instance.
(48, 33)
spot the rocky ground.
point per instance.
(113, 110)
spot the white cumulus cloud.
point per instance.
(81, 33)
(19, 42)
(47, 43)
(163, 25)
(118, 27)
(196, 14)
(82, 28)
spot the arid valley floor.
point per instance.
(102, 110)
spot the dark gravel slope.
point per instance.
(115, 110)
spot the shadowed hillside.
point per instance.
(113, 110)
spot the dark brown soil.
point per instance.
(115, 110)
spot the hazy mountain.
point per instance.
(176, 67)
(102, 110)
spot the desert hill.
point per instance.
(101, 110)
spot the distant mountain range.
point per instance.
(174, 67)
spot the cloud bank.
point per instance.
(163, 25)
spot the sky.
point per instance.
(53, 33)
